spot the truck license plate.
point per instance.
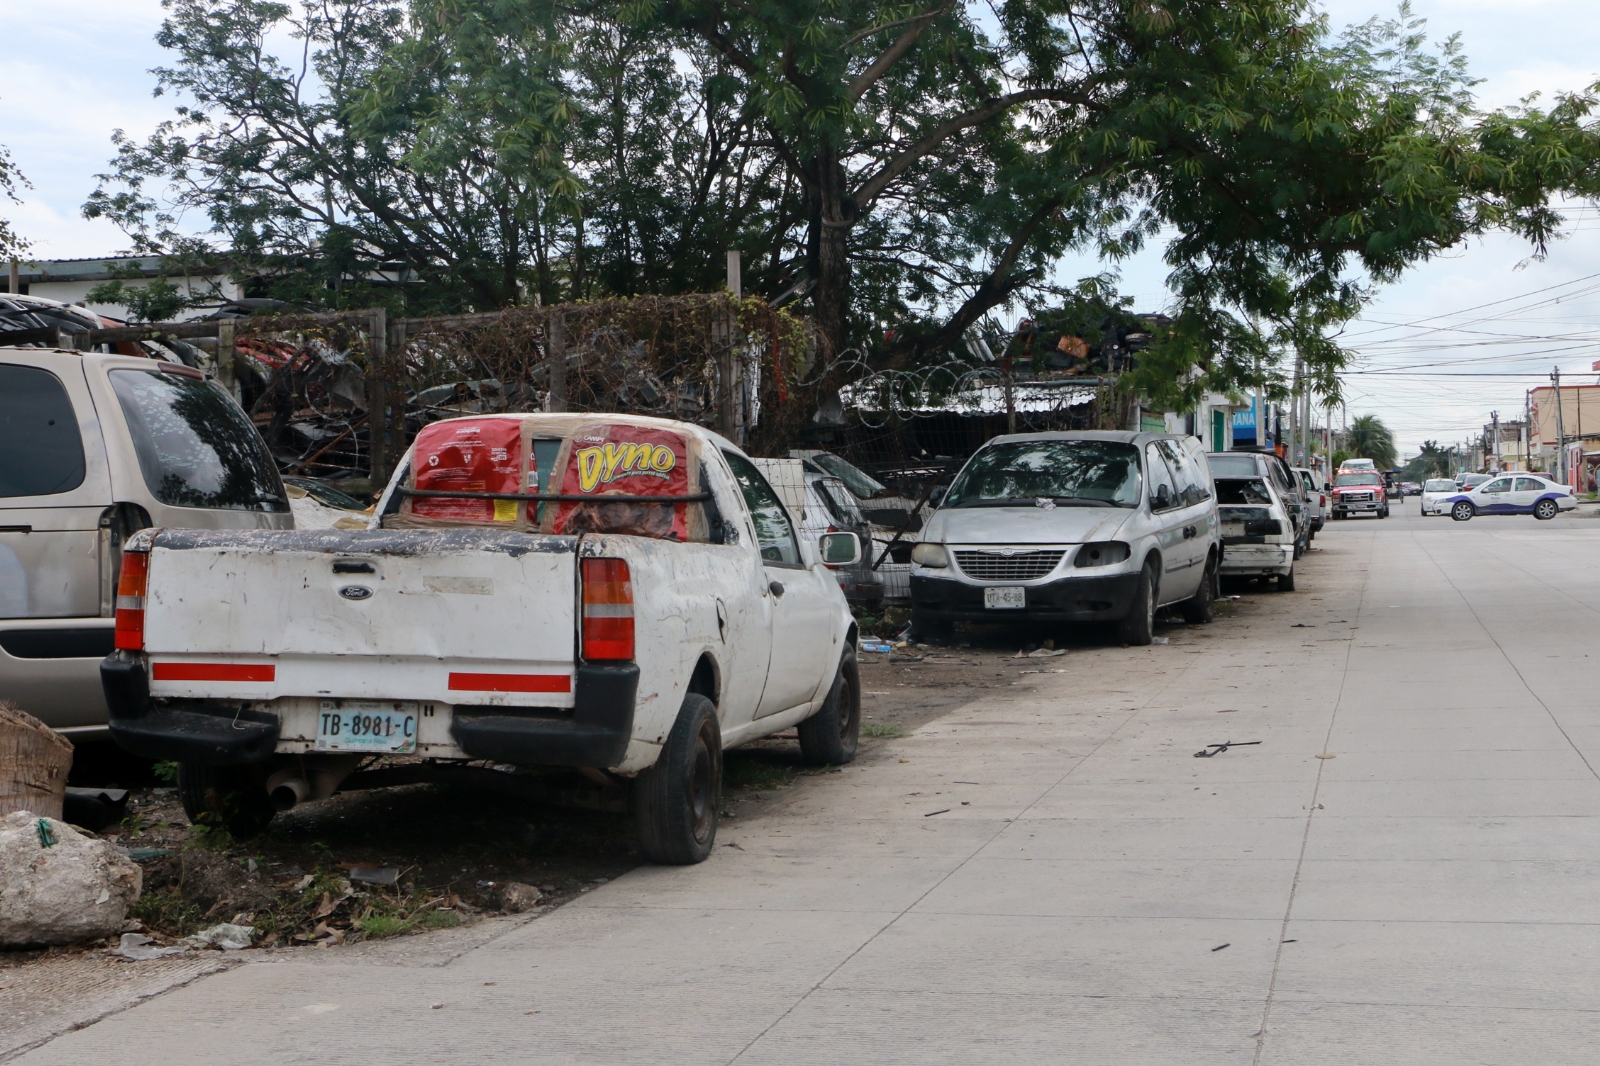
(367, 725)
(1005, 599)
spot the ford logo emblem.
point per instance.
(356, 592)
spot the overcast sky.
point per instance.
(75, 70)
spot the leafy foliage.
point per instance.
(907, 170)
(12, 244)
(1369, 438)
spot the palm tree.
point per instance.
(1369, 438)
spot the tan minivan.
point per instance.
(92, 448)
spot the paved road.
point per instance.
(1427, 895)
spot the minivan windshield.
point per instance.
(1085, 473)
(1242, 491)
(1356, 479)
(859, 483)
(196, 448)
(1439, 484)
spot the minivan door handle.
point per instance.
(1190, 531)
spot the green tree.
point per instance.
(1369, 438)
(12, 244)
(907, 169)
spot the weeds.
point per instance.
(166, 772)
(753, 770)
(889, 731)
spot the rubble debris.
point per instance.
(1218, 749)
(375, 875)
(78, 888)
(225, 935)
(34, 760)
(516, 897)
(94, 809)
(138, 947)
(209, 880)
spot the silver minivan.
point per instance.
(92, 448)
(1071, 527)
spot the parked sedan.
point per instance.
(1435, 491)
(1512, 494)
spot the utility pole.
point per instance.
(1495, 417)
(1561, 440)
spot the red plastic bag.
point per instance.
(623, 460)
(474, 456)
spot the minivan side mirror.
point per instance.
(936, 497)
(839, 549)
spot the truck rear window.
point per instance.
(38, 434)
(196, 448)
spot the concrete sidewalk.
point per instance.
(1053, 876)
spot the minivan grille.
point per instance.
(1021, 566)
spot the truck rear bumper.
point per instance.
(594, 733)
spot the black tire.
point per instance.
(1384, 513)
(1545, 510)
(830, 737)
(1286, 581)
(231, 797)
(1463, 511)
(1202, 606)
(676, 802)
(1138, 628)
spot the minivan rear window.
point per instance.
(38, 434)
(196, 448)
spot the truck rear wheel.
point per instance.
(231, 797)
(1286, 581)
(676, 801)
(829, 737)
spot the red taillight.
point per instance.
(130, 601)
(607, 610)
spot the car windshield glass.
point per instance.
(1439, 485)
(196, 448)
(863, 486)
(840, 503)
(1355, 479)
(38, 434)
(1239, 491)
(1088, 472)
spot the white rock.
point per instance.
(77, 888)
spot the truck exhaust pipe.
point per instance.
(312, 778)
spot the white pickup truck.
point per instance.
(622, 596)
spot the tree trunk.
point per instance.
(34, 760)
(833, 213)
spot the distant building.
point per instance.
(69, 281)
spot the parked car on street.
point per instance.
(1316, 497)
(1468, 482)
(1359, 492)
(1071, 527)
(1434, 491)
(1258, 537)
(1410, 488)
(620, 595)
(94, 447)
(1270, 465)
(1511, 494)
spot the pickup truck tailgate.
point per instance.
(461, 616)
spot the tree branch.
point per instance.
(950, 127)
(880, 66)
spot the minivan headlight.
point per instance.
(926, 554)
(1101, 553)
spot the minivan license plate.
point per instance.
(367, 725)
(1005, 598)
